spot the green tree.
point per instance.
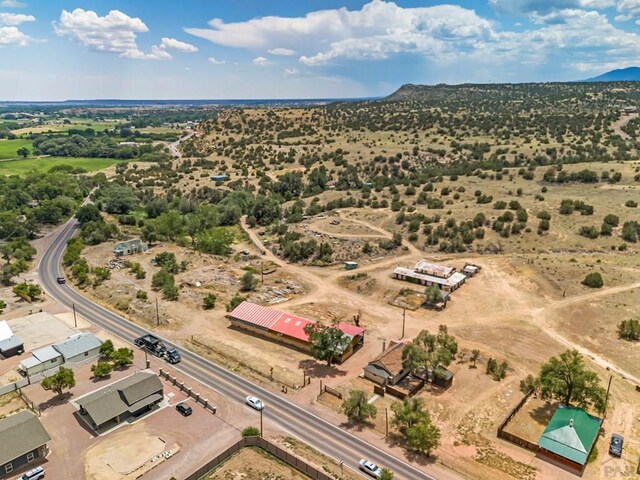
(326, 342)
(475, 354)
(106, 348)
(170, 225)
(88, 213)
(593, 280)
(248, 282)
(121, 357)
(209, 301)
(23, 152)
(408, 412)
(357, 407)
(170, 292)
(101, 369)
(234, 302)
(423, 437)
(63, 379)
(3, 305)
(433, 294)
(567, 379)
(216, 241)
(386, 474)
(429, 351)
(29, 290)
(629, 330)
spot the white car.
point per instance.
(370, 468)
(34, 474)
(254, 402)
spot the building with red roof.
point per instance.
(288, 329)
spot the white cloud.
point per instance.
(173, 44)
(12, 4)
(260, 61)
(13, 36)
(213, 61)
(523, 7)
(116, 32)
(13, 19)
(284, 52)
(290, 72)
(157, 53)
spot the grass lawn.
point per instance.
(58, 127)
(20, 167)
(8, 148)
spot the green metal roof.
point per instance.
(570, 434)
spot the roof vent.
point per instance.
(571, 423)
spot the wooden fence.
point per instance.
(189, 391)
(333, 391)
(509, 437)
(274, 450)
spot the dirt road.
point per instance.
(622, 121)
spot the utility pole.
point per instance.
(386, 416)
(606, 399)
(404, 315)
(262, 271)
(261, 421)
(157, 312)
(75, 320)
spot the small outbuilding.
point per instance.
(42, 359)
(220, 178)
(23, 441)
(130, 247)
(350, 265)
(442, 377)
(569, 438)
(10, 344)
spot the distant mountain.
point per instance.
(629, 74)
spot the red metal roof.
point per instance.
(292, 326)
(256, 314)
(283, 322)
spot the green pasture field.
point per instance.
(8, 148)
(20, 167)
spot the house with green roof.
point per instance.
(569, 437)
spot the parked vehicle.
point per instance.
(172, 356)
(34, 474)
(153, 345)
(255, 402)
(616, 444)
(370, 468)
(61, 280)
(184, 409)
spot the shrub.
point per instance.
(101, 369)
(251, 432)
(209, 301)
(631, 204)
(629, 330)
(593, 280)
(589, 232)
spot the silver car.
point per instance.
(254, 402)
(370, 468)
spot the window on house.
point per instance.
(8, 468)
(31, 457)
(86, 354)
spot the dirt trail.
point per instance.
(622, 121)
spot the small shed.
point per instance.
(471, 270)
(350, 265)
(10, 344)
(442, 377)
(42, 359)
(220, 178)
(130, 247)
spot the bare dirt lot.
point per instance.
(254, 464)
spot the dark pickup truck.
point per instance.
(155, 347)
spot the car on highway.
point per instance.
(184, 409)
(616, 444)
(255, 402)
(370, 468)
(33, 474)
(61, 280)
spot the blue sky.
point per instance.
(56, 50)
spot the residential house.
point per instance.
(386, 368)
(10, 344)
(74, 349)
(23, 442)
(130, 247)
(569, 438)
(131, 396)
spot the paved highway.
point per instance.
(308, 427)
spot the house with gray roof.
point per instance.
(80, 347)
(132, 396)
(42, 359)
(130, 247)
(23, 442)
